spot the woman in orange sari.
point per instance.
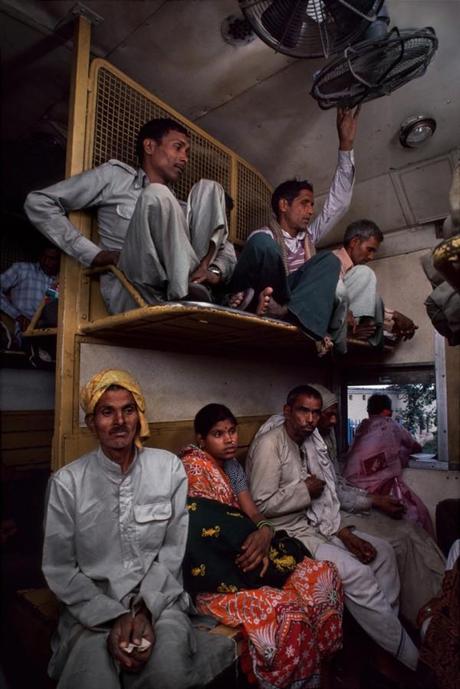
(289, 630)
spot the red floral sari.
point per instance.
(289, 630)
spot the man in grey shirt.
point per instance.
(165, 248)
(115, 534)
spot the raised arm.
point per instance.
(47, 209)
(338, 199)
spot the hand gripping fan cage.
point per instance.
(310, 28)
(372, 69)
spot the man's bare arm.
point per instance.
(347, 123)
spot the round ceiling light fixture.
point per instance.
(416, 130)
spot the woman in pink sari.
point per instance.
(380, 451)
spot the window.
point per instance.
(414, 401)
(413, 406)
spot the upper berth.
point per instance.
(116, 109)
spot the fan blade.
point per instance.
(371, 69)
(279, 19)
(309, 28)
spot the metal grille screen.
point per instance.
(253, 208)
(120, 108)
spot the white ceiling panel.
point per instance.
(278, 127)
(181, 56)
(375, 199)
(424, 189)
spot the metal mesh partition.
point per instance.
(253, 207)
(119, 107)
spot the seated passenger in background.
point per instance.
(357, 290)
(293, 483)
(380, 451)
(420, 561)
(169, 250)
(23, 287)
(115, 534)
(290, 628)
(439, 664)
(276, 274)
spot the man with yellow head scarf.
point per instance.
(115, 534)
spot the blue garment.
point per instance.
(23, 286)
(237, 476)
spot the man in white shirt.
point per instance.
(115, 534)
(277, 273)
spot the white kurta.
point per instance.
(112, 539)
(277, 469)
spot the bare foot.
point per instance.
(267, 306)
(324, 346)
(241, 300)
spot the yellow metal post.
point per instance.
(67, 359)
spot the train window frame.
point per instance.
(429, 372)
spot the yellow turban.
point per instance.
(92, 392)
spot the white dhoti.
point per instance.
(165, 243)
(182, 658)
(420, 561)
(357, 292)
(372, 593)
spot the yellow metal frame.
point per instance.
(70, 311)
(75, 313)
(81, 316)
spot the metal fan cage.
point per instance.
(372, 69)
(310, 28)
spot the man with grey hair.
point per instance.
(293, 483)
(357, 289)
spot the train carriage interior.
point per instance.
(256, 84)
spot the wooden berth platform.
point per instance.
(198, 326)
(202, 327)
